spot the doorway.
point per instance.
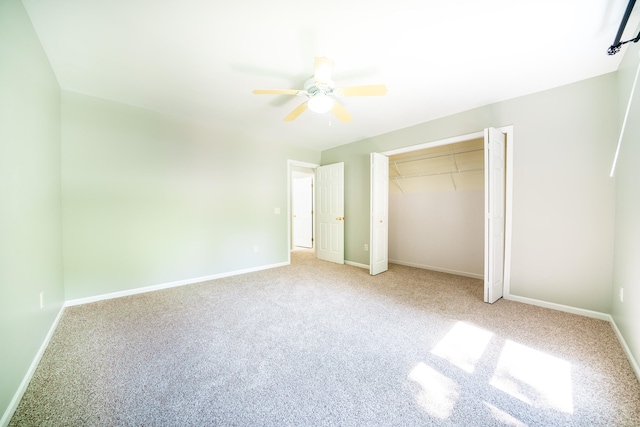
(300, 217)
(327, 214)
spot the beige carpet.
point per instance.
(321, 344)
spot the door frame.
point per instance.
(290, 165)
(509, 147)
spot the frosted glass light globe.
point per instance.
(320, 103)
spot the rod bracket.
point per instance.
(615, 48)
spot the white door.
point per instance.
(330, 213)
(303, 211)
(494, 196)
(379, 227)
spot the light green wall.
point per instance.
(563, 201)
(150, 199)
(30, 214)
(626, 273)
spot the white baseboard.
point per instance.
(559, 307)
(357, 264)
(441, 270)
(152, 288)
(625, 347)
(6, 417)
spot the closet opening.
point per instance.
(446, 206)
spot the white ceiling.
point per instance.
(202, 58)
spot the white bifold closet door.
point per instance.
(379, 225)
(494, 196)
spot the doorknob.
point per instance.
(340, 218)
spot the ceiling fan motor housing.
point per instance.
(314, 87)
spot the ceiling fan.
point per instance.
(320, 92)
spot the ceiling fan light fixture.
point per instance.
(320, 103)
(319, 92)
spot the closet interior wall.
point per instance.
(436, 208)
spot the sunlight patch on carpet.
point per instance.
(534, 377)
(438, 393)
(503, 417)
(463, 345)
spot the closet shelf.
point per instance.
(419, 175)
(436, 155)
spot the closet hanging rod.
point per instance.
(419, 175)
(617, 44)
(436, 155)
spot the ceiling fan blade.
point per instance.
(341, 113)
(276, 91)
(370, 90)
(295, 113)
(323, 69)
